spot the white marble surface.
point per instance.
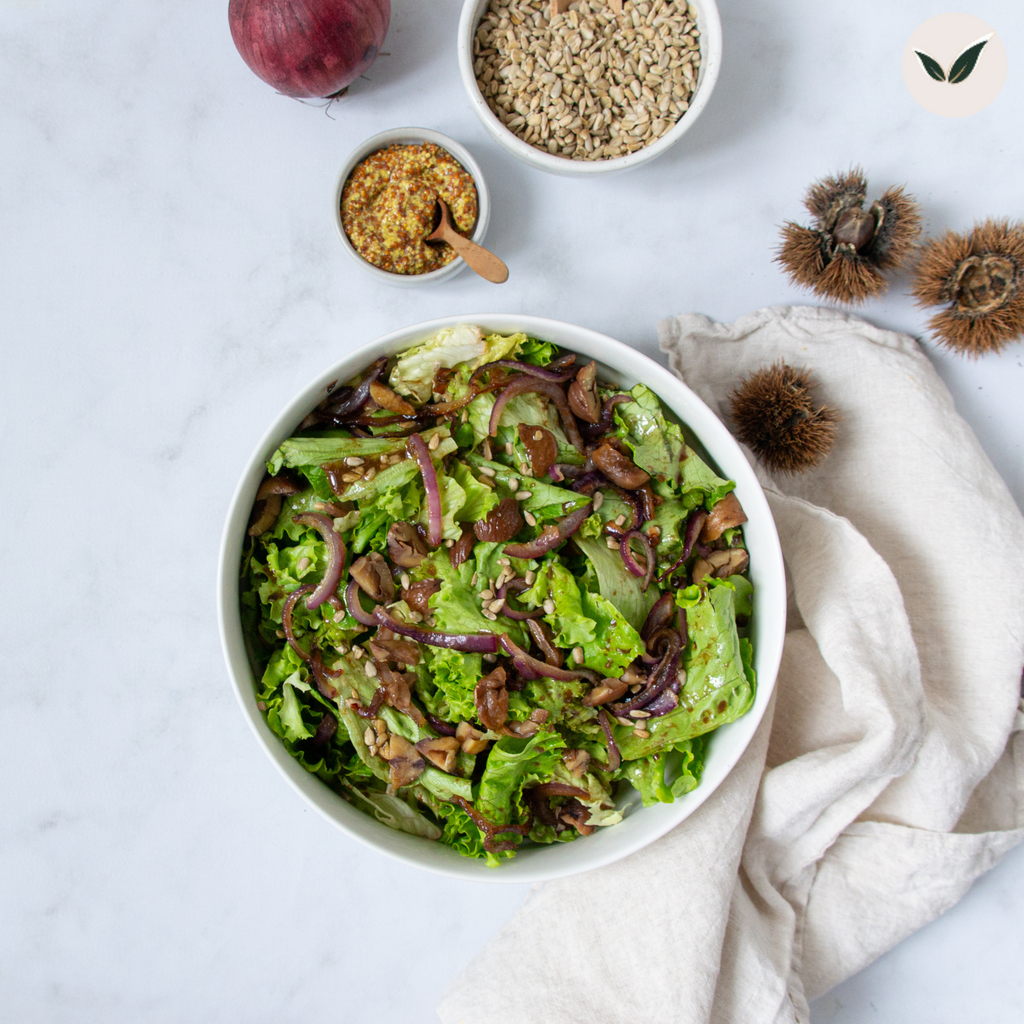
(170, 276)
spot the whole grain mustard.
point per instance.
(389, 201)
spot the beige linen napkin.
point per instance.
(890, 772)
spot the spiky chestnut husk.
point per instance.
(773, 414)
(981, 277)
(843, 257)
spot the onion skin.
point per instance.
(417, 447)
(324, 525)
(551, 536)
(520, 385)
(478, 643)
(530, 668)
(631, 563)
(355, 609)
(309, 48)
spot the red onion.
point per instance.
(324, 525)
(474, 643)
(370, 711)
(551, 536)
(308, 48)
(661, 677)
(348, 401)
(604, 424)
(614, 756)
(560, 470)
(531, 668)
(418, 448)
(286, 618)
(323, 684)
(516, 587)
(658, 617)
(490, 829)
(533, 371)
(441, 727)
(543, 387)
(631, 563)
(355, 609)
(550, 789)
(665, 702)
(694, 524)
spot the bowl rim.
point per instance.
(561, 860)
(410, 136)
(707, 76)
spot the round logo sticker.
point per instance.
(954, 65)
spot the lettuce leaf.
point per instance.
(512, 764)
(414, 370)
(455, 674)
(720, 679)
(656, 443)
(616, 583)
(663, 776)
(395, 812)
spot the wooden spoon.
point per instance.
(485, 263)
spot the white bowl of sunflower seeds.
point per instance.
(590, 90)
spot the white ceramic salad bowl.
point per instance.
(626, 367)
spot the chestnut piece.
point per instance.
(605, 691)
(440, 751)
(502, 523)
(372, 574)
(619, 468)
(406, 547)
(583, 397)
(417, 596)
(491, 700)
(727, 514)
(462, 548)
(387, 399)
(540, 445)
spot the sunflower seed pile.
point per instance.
(588, 84)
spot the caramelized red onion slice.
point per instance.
(647, 572)
(661, 677)
(324, 525)
(550, 789)
(355, 609)
(531, 668)
(658, 617)
(614, 755)
(551, 536)
(286, 618)
(543, 387)
(370, 711)
(516, 587)
(559, 377)
(421, 453)
(441, 727)
(694, 524)
(323, 683)
(490, 829)
(351, 400)
(665, 702)
(473, 643)
(561, 471)
(604, 424)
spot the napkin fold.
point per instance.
(888, 773)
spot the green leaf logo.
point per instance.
(932, 66)
(960, 68)
(964, 64)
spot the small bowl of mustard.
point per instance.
(385, 202)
